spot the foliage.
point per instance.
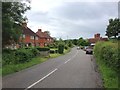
(61, 48)
(18, 56)
(12, 16)
(108, 53)
(75, 41)
(83, 42)
(113, 28)
(11, 68)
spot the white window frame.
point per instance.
(31, 37)
(23, 36)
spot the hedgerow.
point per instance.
(18, 56)
(108, 53)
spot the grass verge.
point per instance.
(57, 54)
(8, 69)
(15, 68)
(110, 77)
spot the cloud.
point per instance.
(72, 19)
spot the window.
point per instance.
(23, 36)
(36, 38)
(31, 37)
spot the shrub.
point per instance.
(23, 55)
(107, 52)
(66, 47)
(52, 51)
(35, 51)
(8, 58)
(18, 56)
(61, 48)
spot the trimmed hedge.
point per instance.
(108, 53)
(61, 48)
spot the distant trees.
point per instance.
(113, 28)
(82, 42)
(12, 16)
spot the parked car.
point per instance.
(89, 50)
(78, 48)
(85, 48)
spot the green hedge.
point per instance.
(108, 53)
(61, 48)
(18, 56)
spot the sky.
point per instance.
(71, 19)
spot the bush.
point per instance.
(8, 58)
(52, 51)
(66, 47)
(107, 52)
(18, 56)
(60, 48)
(35, 51)
(23, 56)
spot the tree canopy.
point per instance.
(113, 28)
(12, 17)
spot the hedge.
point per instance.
(18, 56)
(61, 48)
(108, 53)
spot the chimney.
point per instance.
(40, 30)
(24, 24)
(97, 35)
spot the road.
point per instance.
(73, 70)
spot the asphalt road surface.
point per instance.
(73, 70)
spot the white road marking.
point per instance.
(41, 79)
(70, 58)
(48, 74)
(67, 61)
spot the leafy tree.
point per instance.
(83, 42)
(113, 28)
(75, 41)
(12, 16)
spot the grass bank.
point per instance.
(17, 67)
(12, 68)
(106, 54)
(110, 76)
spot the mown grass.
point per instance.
(12, 68)
(57, 54)
(110, 77)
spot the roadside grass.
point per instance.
(9, 69)
(57, 54)
(110, 76)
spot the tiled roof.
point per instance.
(43, 34)
(28, 31)
(94, 40)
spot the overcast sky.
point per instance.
(71, 18)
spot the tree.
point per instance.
(83, 42)
(75, 41)
(113, 28)
(12, 17)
